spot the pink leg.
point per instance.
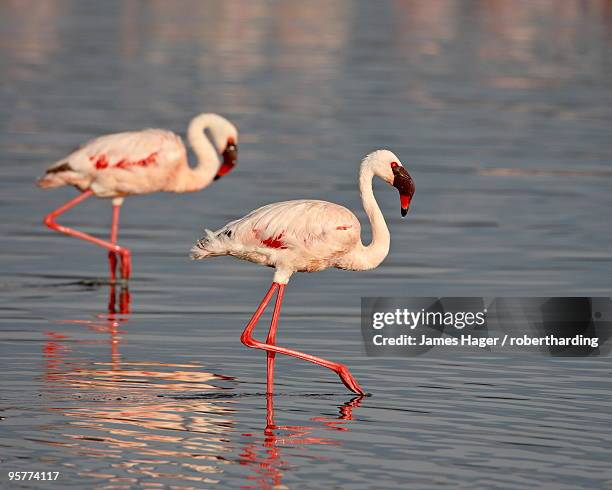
(272, 338)
(341, 370)
(112, 256)
(124, 300)
(126, 259)
(112, 299)
(270, 426)
(113, 247)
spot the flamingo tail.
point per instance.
(210, 245)
(55, 176)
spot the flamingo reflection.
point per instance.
(265, 458)
(117, 313)
(126, 418)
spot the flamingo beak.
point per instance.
(405, 204)
(230, 156)
(405, 185)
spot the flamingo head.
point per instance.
(389, 168)
(223, 135)
(229, 158)
(404, 184)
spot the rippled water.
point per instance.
(503, 117)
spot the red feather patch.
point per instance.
(101, 162)
(272, 242)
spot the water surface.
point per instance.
(501, 114)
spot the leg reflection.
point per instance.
(107, 323)
(266, 459)
(113, 321)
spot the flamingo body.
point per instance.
(121, 164)
(292, 236)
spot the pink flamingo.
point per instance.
(309, 236)
(139, 162)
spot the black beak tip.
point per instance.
(404, 212)
(217, 177)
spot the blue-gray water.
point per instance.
(502, 112)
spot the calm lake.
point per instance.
(501, 113)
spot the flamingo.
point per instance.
(309, 236)
(140, 162)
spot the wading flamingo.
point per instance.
(139, 162)
(309, 236)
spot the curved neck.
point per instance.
(209, 162)
(370, 256)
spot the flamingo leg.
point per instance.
(271, 340)
(124, 300)
(269, 413)
(109, 245)
(247, 339)
(112, 256)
